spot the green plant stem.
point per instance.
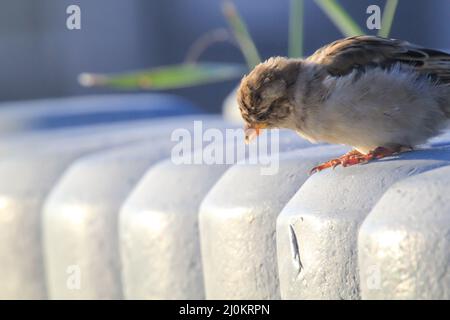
(296, 28)
(388, 18)
(241, 34)
(166, 77)
(340, 17)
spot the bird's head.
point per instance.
(264, 95)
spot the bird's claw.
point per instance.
(320, 167)
(355, 157)
(329, 164)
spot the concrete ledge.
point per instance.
(27, 174)
(25, 181)
(65, 138)
(89, 110)
(317, 230)
(159, 228)
(80, 220)
(237, 224)
(159, 233)
(404, 244)
(80, 216)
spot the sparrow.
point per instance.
(380, 96)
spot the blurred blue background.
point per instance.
(40, 58)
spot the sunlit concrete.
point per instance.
(317, 230)
(238, 221)
(404, 244)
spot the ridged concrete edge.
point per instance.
(404, 243)
(237, 225)
(27, 175)
(159, 233)
(81, 214)
(317, 230)
(160, 247)
(80, 220)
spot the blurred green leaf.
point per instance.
(241, 34)
(388, 16)
(296, 29)
(340, 17)
(167, 77)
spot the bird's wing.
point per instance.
(343, 56)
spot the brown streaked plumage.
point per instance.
(379, 95)
(342, 56)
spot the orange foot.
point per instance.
(355, 157)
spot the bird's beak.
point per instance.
(252, 131)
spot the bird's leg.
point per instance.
(355, 157)
(345, 160)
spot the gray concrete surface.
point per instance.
(238, 220)
(159, 227)
(404, 243)
(317, 230)
(20, 116)
(80, 216)
(27, 175)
